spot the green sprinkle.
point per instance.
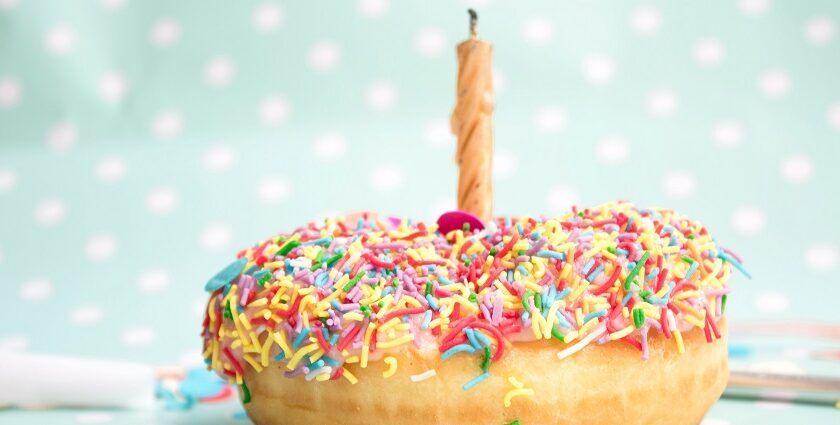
(644, 294)
(611, 250)
(318, 261)
(485, 364)
(639, 266)
(580, 214)
(466, 227)
(467, 263)
(516, 422)
(528, 294)
(690, 237)
(246, 393)
(638, 317)
(556, 334)
(428, 288)
(493, 251)
(473, 298)
(332, 260)
(538, 301)
(288, 247)
(396, 282)
(365, 310)
(228, 314)
(688, 259)
(349, 285)
(723, 304)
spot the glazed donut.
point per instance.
(599, 316)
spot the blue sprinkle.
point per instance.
(335, 304)
(280, 356)
(426, 319)
(460, 348)
(594, 314)
(226, 275)
(507, 221)
(432, 302)
(301, 336)
(525, 316)
(626, 299)
(260, 273)
(653, 274)
(331, 361)
(562, 321)
(522, 270)
(564, 293)
(360, 224)
(691, 270)
(334, 339)
(520, 229)
(475, 381)
(734, 263)
(622, 252)
(535, 235)
(588, 266)
(444, 280)
(510, 275)
(323, 241)
(595, 273)
(471, 337)
(552, 254)
(673, 241)
(736, 350)
(317, 365)
(482, 339)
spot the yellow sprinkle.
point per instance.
(552, 317)
(621, 334)
(252, 362)
(396, 342)
(571, 336)
(316, 355)
(389, 324)
(678, 338)
(392, 367)
(235, 344)
(517, 392)
(211, 311)
(694, 321)
(365, 353)
(350, 377)
(280, 339)
(265, 350)
(352, 359)
(296, 358)
(579, 316)
(322, 377)
(258, 302)
(357, 317)
(535, 323)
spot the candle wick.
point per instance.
(473, 22)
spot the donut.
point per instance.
(611, 314)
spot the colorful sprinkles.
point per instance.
(333, 297)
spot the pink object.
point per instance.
(454, 220)
(394, 222)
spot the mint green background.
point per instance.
(55, 88)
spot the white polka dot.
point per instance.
(797, 353)
(727, 134)
(113, 87)
(59, 40)
(709, 52)
(499, 81)
(386, 177)
(191, 358)
(772, 302)
(324, 56)
(438, 134)
(537, 30)
(219, 158)
(777, 366)
(215, 235)
(678, 184)
(274, 110)
(94, 418)
(35, 290)
(167, 124)
(100, 247)
(550, 119)
(714, 421)
(382, 96)
(598, 69)
(86, 315)
(819, 30)
(274, 189)
(153, 280)
(797, 169)
(8, 4)
(10, 91)
(61, 137)
(561, 198)
(162, 200)
(430, 42)
(139, 336)
(774, 84)
(110, 169)
(753, 7)
(748, 220)
(646, 20)
(49, 212)
(112, 4)
(441, 206)
(8, 179)
(662, 103)
(14, 343)
(219, 71)
(372, 8)
(833, 115)
(165, 32)
(330, 146)
(504, 164)
(822, 257)
(612, 150)
(267, 17)
(199, 307)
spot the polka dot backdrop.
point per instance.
(143, 143)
